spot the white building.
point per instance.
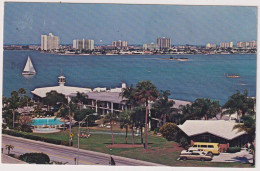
(163, 43)
(83, 44)
(120, 44)
(226, 44)
(208, 45)
(40, 93)
(50, 42)
(150, 46)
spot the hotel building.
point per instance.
(120, 44)
(83, 44)
(163, 43)
(99, 99)
(226, 45)
(50, 42)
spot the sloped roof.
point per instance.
(66, 90)
(220, 128)
(113, 97)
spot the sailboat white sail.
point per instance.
(29, 69)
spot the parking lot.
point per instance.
(243, 157)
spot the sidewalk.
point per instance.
(10, 160)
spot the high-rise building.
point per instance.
(163, 43)
(50, 42)
(120, 44)
(83, 44)
(226, 44)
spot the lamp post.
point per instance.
(149, 108)
(68, 106)
(94, 114)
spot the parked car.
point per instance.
(190, 151)
(211, 148)
(196, 155)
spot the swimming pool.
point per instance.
(46, 121)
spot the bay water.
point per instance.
(202, 76)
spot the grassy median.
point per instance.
(160, 150)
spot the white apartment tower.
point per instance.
(163, 43)
(226, 45)
(83, 44)
(50, 42)
(119, 44)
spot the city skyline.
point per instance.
(137, 24)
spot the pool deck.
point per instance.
(45, 132)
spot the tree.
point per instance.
(163, 107)
(13, 103)
(9, 148)
(249, 126)
(23, 123)
(170, 131)
(240, 103)
(205, 108)
(79, 115)
(80, 99)
(139, 119)
(53, 99)
(125, 121)
(111, 118)
(128, 95)
(145, 91)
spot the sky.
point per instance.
(24, 23)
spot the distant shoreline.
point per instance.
(129, 54)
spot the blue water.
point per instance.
(46, 121)
(201, 76)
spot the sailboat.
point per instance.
(29, 69)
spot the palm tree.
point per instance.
(9, 148)
(239, 103)
(139, 119)
(13, 103)
(111, 118)
(163, 106)
(145, 91)
(125, 121)
(249, 126)
(205, 108)
(128, 95)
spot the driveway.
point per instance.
(242, 157)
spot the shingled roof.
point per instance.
(220, 128)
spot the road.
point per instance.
(66, 154)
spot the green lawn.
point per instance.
(160, 150)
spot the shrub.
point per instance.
(38, 158)
(170, 131)
(26, 128)
(156, 130)
(34, 137)
(4, 126)
(233, 149)
(184, 142)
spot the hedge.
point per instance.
(38, 158)
(37, 138)
(233, 149)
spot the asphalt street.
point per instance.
(65, 154)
